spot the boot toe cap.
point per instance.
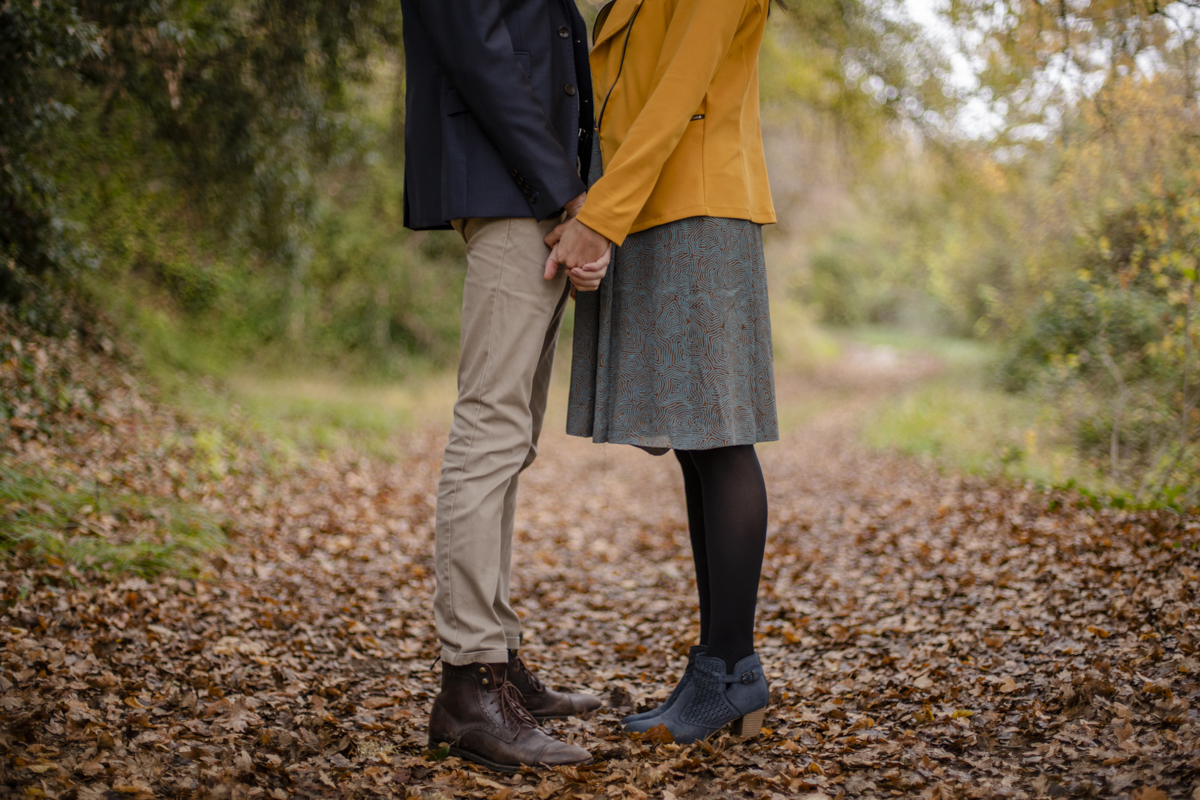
(642, 725)
(558, 754)
(584, 703)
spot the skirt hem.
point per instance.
(657, 448)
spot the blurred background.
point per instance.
(992, 208)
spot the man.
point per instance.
(498, 123)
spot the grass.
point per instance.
(800, 345)
(79, 527)
(309, 412)
(962, 421)
(967, 357)
(977, 430)
(325, 413)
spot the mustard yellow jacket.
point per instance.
(676, 85)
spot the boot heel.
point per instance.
(749, 725)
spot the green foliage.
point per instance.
(1068, 234)
(375, 293)
(42, 47)
(250, 97)
(237, 169)
(861, 63)
(245, 99)
(371, 296)
(1117, 345)
(1036, 62)
(846, 283)
(89, 528)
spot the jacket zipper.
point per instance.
(621, 66)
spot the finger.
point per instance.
(553, 237)
(599, 265)
(551, 265)
(589, 272)
(593, 266)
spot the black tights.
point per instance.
(727, 519)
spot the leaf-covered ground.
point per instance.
(926, 635)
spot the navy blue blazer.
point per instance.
(498, 109)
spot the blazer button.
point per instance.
(570, 90)
(564, 32)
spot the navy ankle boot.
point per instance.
(713, 699)
(631, 721)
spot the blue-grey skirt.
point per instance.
(674, 349)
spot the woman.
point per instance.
(674, 350)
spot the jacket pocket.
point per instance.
(452, 101)
(523, 57)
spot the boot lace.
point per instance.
(512, 709)
(536, 684)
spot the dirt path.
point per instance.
(925, 635)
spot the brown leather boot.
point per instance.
(479, 714)
(542, 702)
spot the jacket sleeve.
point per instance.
(473, 46)
(697, 41)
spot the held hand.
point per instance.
(572, 208)
(587, 277)
(553, 236)
(578, 245)
(583, 279)
(552, 264)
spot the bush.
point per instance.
(42, 48)
(245, 99)
(228, 172)
(1116, 346)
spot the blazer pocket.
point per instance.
(452, 101)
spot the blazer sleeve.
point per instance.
(697, 42)
(473, 46)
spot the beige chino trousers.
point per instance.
(510, 322)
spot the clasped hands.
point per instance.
(578, 249)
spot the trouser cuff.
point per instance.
(476, 657)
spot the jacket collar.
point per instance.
(613, 18)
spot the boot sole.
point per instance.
(508, 769)
(746, 726)
(544, 717)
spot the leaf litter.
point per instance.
(926, 635)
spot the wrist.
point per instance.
(574, 205)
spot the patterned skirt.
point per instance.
(674, 349)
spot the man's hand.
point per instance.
(573, 207)
(581, 250)
(577, 244)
